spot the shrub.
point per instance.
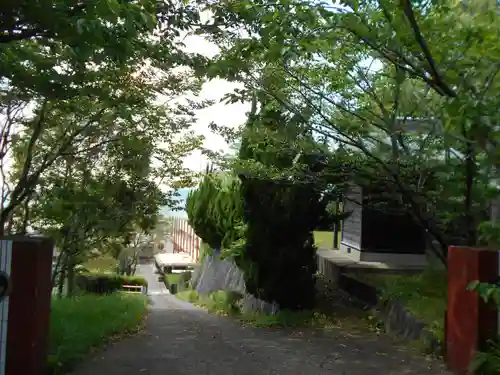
(265, 221)
(283, 203)
(487, 362)
(107, 283)
(215, 209)
(177, 282)
(279, 254)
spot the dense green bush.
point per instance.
(102, 283)
(279, 254)
(487, 360)
(264, 219)
(215, 209)
(283, 204)
(177, 282)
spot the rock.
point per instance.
(216, 274)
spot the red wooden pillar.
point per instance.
(26, 312)
(469, 321)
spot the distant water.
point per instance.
(166, 211)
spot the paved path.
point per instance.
(183, 340)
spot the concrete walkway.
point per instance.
(183, 340)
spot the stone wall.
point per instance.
(215, 274)
(329, 270)
(397, 320)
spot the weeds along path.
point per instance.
(180, 339)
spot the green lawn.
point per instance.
(324, 239)
(82, 323)
(103, 263)
(424, 294)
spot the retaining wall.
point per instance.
(392, 314)
(215, 274)
(396, 318)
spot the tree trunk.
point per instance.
(470, 175)
(62, 279)
(26, 215)
(7, 228)
(134, 264)
(71, 276)
(57, 269)
(336, 227)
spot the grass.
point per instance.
(227, 304)
(103, 263)
(424, 294)
(324, 239)
(180, 279)
(82, 323)
(172, 278)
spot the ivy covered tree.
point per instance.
(278, 163)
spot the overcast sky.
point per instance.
(222, 114)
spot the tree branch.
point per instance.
(410, 15)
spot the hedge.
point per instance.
(177, 282)
(102, 283)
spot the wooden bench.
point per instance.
(134, 289)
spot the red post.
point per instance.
(469, 321)
(25, 328)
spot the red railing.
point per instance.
(184, 238)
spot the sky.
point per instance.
(223, 114)
(231, 115)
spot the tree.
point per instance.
(215, 210)
(69, 70)
(278, 162)
(48, 48)
(386, 80)
(94, 173)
